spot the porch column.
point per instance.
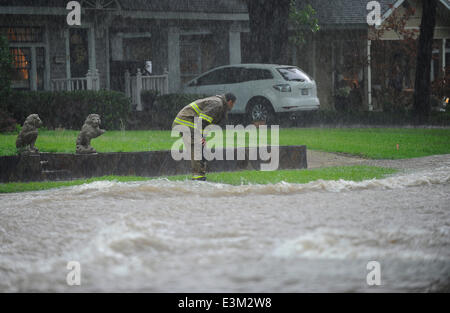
(294, 55)
(173, 55)
(92, 49)
(108, 60)
(369, 75)
(48, 82)
(67, 39)
(333, 68)
(33, 74)
(442, 57)
(235, 47)
(313, 61)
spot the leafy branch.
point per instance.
(303, 21)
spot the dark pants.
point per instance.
(198, 166)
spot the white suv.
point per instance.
(261, 89)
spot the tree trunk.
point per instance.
(268, 30)
(422, 88)
(280, 32)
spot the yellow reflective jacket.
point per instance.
(212, 110)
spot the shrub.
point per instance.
(70, 109)
(165, 108)
(333, 118)
(7, 123)
(441, 85)
(5, 72)
(148, 99)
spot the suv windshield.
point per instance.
(293, 74)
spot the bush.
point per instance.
(166, 108)
(333, 118)
(5, 72)
(7, 123)
(148, 98)
(69, 109)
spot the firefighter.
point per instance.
(212, 110)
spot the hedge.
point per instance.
(163, 110)
(7, 123)
(5, 71)
(69, 110)
(335, 118)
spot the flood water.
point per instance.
(162, 236)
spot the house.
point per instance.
(344, 49)
(179, 39)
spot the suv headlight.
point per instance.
(283, 88)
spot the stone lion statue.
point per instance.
(28, 135)
(91, 129)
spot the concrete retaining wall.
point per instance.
(56, 166)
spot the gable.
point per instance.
(201, 6)
(351, 12)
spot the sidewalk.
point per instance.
(317, 159)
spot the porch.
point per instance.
(50, 55)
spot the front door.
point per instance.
(79, 52)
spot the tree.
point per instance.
(7, 123)
(422, 90)
(269, 37)
(393, 59)
(303, 21)
(269, 28)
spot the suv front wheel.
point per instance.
(260, 110)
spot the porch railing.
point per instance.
(134, 85)
(90, 82)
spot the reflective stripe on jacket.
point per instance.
(210, 110)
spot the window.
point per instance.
(197, 55)
(229, 75)
(190, 60)
(29, 55)
(213, 78)
(22, 63)
(232, 75)
(251, 74)
(138, 49)
(293, 74)
(79, 52)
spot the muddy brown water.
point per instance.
(162, 236)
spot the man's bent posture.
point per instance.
(212, 110)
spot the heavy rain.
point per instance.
(354, 93)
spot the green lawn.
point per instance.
(63, 141)
(377, 143)
(354, 173)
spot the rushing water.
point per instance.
(162, 236)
